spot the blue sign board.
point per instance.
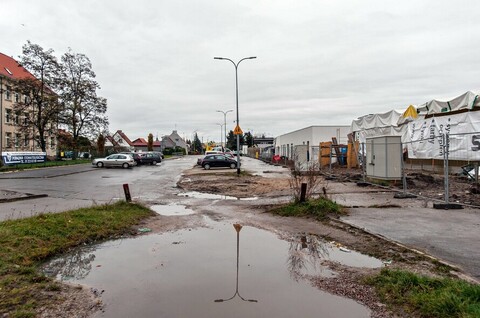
(14, 158)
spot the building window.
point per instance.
(8, 139)
(8, 93)
(52, 143)
(25, 99)
(25, 119)
(17, 97)
(8, 116)
(16, 119)
(25, 141)
(18, 137)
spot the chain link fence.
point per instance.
(443, 168)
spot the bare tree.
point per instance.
(40, 105)
(84, 112)
(305, 172)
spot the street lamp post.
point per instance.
(237, 227)
(221, 133)
(236, 95)
(225, 124)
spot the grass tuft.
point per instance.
(25, 243)
(426, 296)
(317, 208)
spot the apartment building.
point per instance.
(12, 138)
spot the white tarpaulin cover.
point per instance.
(468, 100)
(376, 121)
(423, 138)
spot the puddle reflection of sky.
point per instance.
(154, 276)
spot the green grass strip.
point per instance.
(26, 243)
(426, 296)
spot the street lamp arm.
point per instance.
(224, 112)
(235, 64)
(225, 58)
(246, 58)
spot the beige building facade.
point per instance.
(12, 137)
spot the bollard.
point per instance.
(128, 198)
(303, 192)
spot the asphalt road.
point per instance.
(70, 187)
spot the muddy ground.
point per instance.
(424, 184)
(348, 282)
(82, 302)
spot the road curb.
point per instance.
(457, 270)
(27, 197)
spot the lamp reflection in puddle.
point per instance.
(237, 227)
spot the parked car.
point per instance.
(230, 155)
(116, 160)
(135, 155)
(212, 152)
(151, 158)
(160, 154)
(218, 160)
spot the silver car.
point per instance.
(116, 160)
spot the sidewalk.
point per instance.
(450, 235)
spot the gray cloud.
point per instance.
(319, 62)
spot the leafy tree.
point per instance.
(84, 144)
(150, 142)
(64, 141)
(249, 139)
(40, 107)
(84, 112)
(232, 140)
(101, 144)
(197, 144)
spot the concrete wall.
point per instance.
(310, 136)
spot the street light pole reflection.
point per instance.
(237, 227)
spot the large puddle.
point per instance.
(171, 209)
(219, 271)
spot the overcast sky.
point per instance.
(318, 62)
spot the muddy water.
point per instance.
(207, 272)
